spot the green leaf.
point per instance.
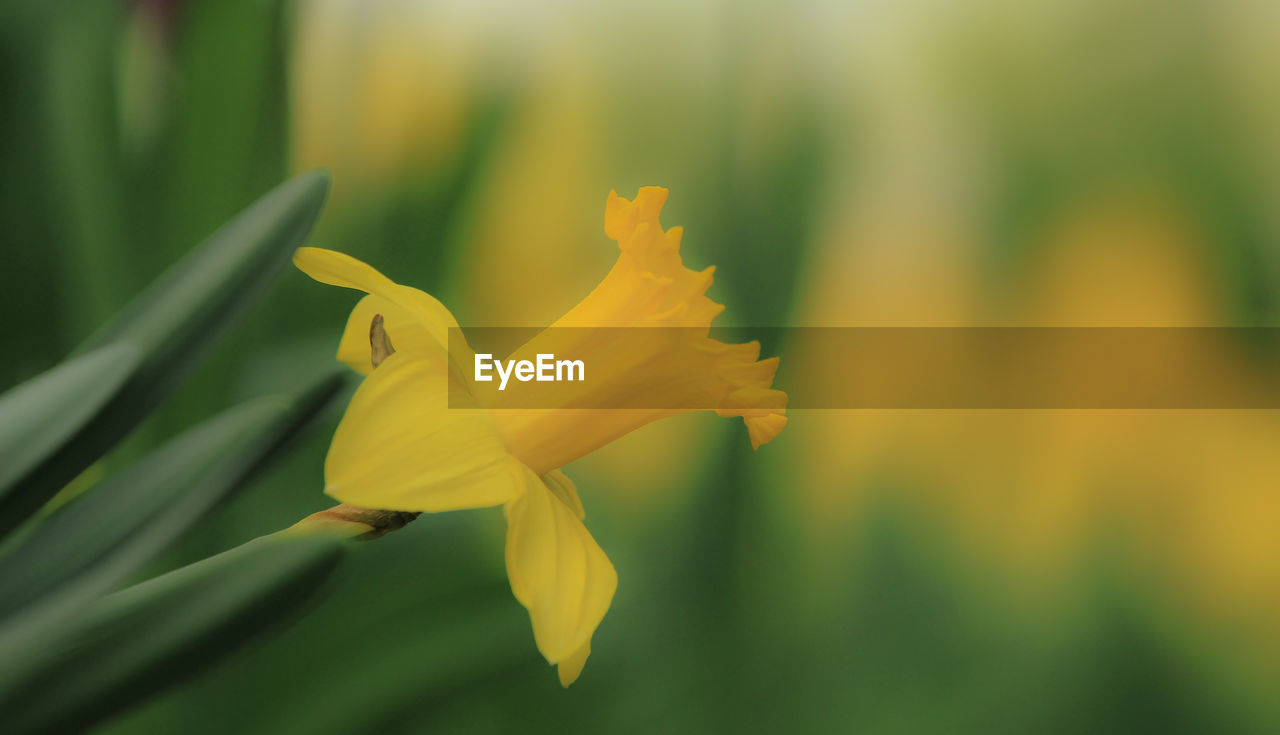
(41, 416)
(207, 289)
(476, 645)
(143, 639)
(96, 542)
(174, 324)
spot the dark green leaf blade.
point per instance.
(175, 323)
(101, 538)
(143, 639)
(208, 288)
(39, 417)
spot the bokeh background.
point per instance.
(911, 163)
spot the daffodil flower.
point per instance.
(409, 442)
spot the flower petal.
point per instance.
(403, 329)
(637, 376)
(667, 365)
(571, 667)
(558, 572)
(401, 447)
(340, 269)
(560, 484)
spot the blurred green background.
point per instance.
(928, 162)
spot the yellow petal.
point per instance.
(668, 365)
(763, 429)
(403, 330)
(622, 217)
(636, 376)
(400, 446)
(340, 269)
(571, 667)
(557, 571)
(560, 484)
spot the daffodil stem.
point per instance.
(358, 524)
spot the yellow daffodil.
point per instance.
(409, 443)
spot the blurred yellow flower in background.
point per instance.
(378, 73)
(1186, 497)
(408, 442)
